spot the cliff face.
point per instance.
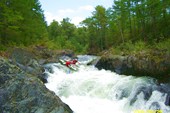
(23, 92)
(154, 64)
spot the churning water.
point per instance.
(90, 90)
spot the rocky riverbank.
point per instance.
(155, 64)
(22, 88)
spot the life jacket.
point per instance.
(70, 62)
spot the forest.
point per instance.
(128, 25)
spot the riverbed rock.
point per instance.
(28, 62)
(32, 60)
(21, 92)
(46, 55)
(155, 64)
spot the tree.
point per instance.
(97, 27)
(54, 30)
(22, 22)
(67, 28)
(101, 22)
(92, 34)
(9, 21)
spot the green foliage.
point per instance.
(129, 26)
(97, 25)
(116, 51)
(141, 22)
(2, 48)
(140, 45)
(67, 36)
(129, 47)
(164, 45)
(53, 45)
(21, 22)
(54, 30)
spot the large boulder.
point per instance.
(28, 62)
(37, 56)
(32, 60)
(21, 92)
(155, 64)
(46, 55)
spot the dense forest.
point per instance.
(21, 23)
(126, 25)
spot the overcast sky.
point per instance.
(76, 10)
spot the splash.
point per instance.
(90, 90)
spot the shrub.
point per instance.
(164, 45)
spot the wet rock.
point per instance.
(27, 62)
(121, 94)
(50, 56)
(146, 92)
(37, 58)
(155, 106)
(115, 63)
(148, 64)
(22, 56)
(167, 102)
(7, 68)
(68, 53)
(94, 61)
(21, 92)
(165, 88)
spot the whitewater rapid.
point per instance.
(90, 90)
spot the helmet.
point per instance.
(75, 60)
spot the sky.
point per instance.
(76, 10)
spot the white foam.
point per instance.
(99, 91)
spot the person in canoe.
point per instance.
(72, 64)
(68, 63)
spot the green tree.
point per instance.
(9, 21)
(33, 25)
(101, 21)
(22, 22)
(67, 28)
(54, 30)
(97, 28)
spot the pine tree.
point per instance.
(22, 22)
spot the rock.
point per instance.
(94, 61)
(27, 61)
(165, 88)
(155, 106)
(156, 65)
(32, 61)
(7, 68)
(50, 56)
(21, 92)
(115, 63)
(68, 53)
(167, 102)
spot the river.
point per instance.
(90, 90)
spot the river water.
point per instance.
(90, 90)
